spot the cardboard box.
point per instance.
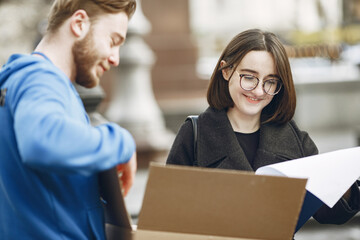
(198, 204)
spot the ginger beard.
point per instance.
(85, 58)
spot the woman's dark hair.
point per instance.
(282, 107)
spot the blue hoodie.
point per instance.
(50, 155)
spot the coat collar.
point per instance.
(217, 143)
(219, 147)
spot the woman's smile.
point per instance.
(252, 100)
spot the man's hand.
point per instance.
(126, 174)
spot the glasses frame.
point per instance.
(263, 84)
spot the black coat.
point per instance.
(218, 147)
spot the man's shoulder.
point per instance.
(20, 61)
(21, 67)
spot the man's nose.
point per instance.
(114, 58)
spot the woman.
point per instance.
(249, 121)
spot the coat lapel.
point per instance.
(277, 143)
(217, 144)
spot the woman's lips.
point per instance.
(252, 99)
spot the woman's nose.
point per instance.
(259, 90)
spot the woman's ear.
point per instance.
(226, 72)
(79, 23)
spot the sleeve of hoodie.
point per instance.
(50, 138)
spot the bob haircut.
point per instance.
(282, 107)
(63, 9)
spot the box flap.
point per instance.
(158, 235)
(116, 233)
(114, 203)
(221, 202)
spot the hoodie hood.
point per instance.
(15, 63)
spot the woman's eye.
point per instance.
(249, 77)
(272, 81)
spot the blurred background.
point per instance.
(169, 55)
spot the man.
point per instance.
(50, 155)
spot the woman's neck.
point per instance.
(242, 123)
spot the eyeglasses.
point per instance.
(249, 82)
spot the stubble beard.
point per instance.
(85, 57)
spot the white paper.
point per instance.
(329, 175)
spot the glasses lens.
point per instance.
(248, 82)
(272, 86)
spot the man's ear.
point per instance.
(226, 72)
(79, 23)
